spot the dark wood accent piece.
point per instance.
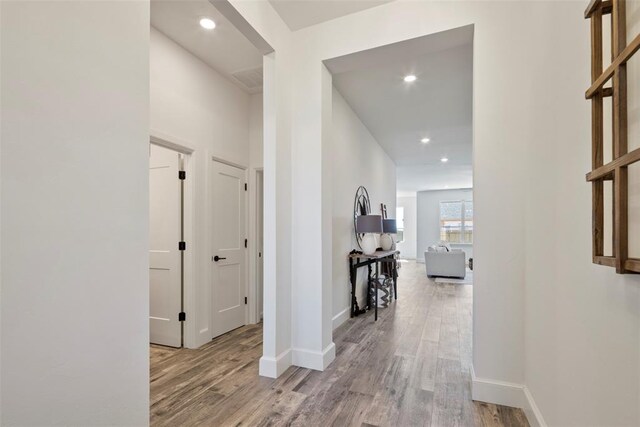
(632, 264)
(626, 54)
(609, 261)
(616, 170)
(597, 132)
(598, 5)
(608, 169)
(357, 260)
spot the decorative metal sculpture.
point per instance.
(361, 206)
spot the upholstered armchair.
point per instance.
(442, 262)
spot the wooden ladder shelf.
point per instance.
(616, 170)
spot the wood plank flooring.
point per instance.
(411, 368)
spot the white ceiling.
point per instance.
(224, 48)
(438, 105)
(299, 14)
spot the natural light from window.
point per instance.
(400, 224)
(456, 221)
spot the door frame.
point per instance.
(188, 151)
(254, 308)
(245, 170)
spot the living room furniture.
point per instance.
(358, 260)
(445, 263)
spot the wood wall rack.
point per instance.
(617, 169)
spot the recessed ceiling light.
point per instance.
(444, 160)
(207, 23)
(425, 140)
(410, 78)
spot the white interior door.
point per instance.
(165, 218)
(228, 260)
(259, 243)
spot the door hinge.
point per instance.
(245, 243)
(245, 186)
(245, 300)
(182, 316)
(182, 246)
(182, 175)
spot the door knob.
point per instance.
(217, 258)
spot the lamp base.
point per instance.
(368, 244)
(386, 241)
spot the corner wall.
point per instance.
(582, 321)
(75, 221)
(358, 160)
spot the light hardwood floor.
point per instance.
(411, 368)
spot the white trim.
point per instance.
(507, 394)
(313, 359)
(171, 142)
(274, 367)
(255, 311)
(229, 163)
(495, 391)
(534, 416)
(341, 317)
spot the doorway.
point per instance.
(166, 245)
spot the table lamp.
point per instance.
(389, 227)
(369, 225)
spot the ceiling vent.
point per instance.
(250, 79)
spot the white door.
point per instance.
(165, 219)
(228, 260)
(259, 243)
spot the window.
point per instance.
(456, 221)
(400, 224)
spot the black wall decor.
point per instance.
(361, 206)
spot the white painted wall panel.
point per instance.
(358, 160)
(75, 222)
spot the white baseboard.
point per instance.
(313, 359)
(534, 416)
(341, 317)
(507, 394)
(273, 367)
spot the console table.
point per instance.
(357, 261)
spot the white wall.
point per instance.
(407, 247)
(75, 158)
(428, 218)
(260, 20)
(582, 321)
(192, 104)
(358, 160)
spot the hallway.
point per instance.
(410, 368)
